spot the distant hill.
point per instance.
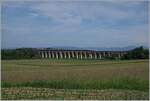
(97, 48)
(87, 48)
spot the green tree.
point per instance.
(137, 53)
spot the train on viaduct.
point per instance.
(80, 54)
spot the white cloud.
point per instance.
(70, 15)
(67, 11)
(69, 28)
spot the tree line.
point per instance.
(32, 53)
(20, 53)
(137, 53)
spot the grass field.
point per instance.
(126, 79)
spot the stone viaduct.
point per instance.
(79, 54)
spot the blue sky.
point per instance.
(78, 24)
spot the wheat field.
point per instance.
(118, 79)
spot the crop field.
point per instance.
(75, 79)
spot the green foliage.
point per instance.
(20, 53)
(137, 53)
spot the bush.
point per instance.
(137, 53)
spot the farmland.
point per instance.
(61, 79)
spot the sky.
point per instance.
(74, 23)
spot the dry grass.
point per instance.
(65, 94)
(29, 70)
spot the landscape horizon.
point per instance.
(88, 48)
(75, 50)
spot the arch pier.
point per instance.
(79, 54)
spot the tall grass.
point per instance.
(117, 83)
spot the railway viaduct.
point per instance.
(79, 54)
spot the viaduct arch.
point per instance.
(79, 54)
